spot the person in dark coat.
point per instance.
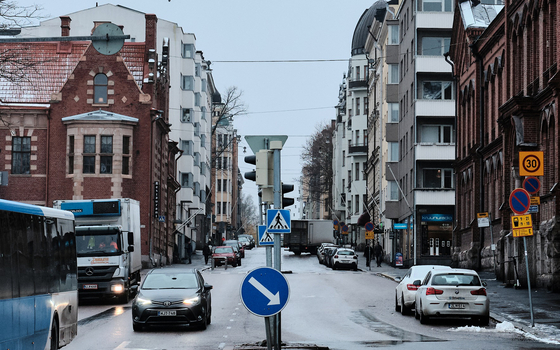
(368, 253)
(378, 250)
(206, 251)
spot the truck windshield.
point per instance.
(88, 244)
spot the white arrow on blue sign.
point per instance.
(278, 221)
(265, 291)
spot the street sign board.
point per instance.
(345, 229)
(258, 142)
(370, 235)
(531, 163)
(521, 221)
(519, 201)
(533, 209)
(265, 291)
(532, 184)
(369, 226)
(522, 232)
(483, 219)
(264, 237)
(535, 200)
(278, 221)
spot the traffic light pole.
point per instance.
(277, 244)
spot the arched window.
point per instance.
(100, 88)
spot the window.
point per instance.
(224, 208)
(126, 155)
(203, 85)
(435, 5)
(437, 178)
(100, 88)
(71, 154)
(197, 99)
(188, 51)
(393, 191)
(357, 201)
(436, 133)
(358, 106)
(343, 159)
(203, 140)
(203, 112)
(393, 74)
(357, 172)
(21, 155)
(106, 164)
(187, 180)
(187, 82)
(432, 46)
(186, 115)
(393, 112)
(197, 129)
(89, 154)
(437, 90)
(202, 168)
(393, 151)
(393, 35)
(219, 208)
(187, 147)
(197, 67)
(196, 159)
(196, 190)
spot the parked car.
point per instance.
(238, 247)
(224, 254)
(245, 242)
(452, 293)
(321, 251)
(329, 252)
(344, 257)
(251, 240)
(172, 296)
(406, 290)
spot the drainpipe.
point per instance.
(480, 88)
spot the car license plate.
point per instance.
(345, 261)
(167, 313)
(90, 286)
(456, 306)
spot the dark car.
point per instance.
(251, 240)
(329, 253)
(238, 247)
(172, 296)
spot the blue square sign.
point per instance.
(278, 221)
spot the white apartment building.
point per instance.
(190, 105)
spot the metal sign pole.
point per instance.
(277, 252)
(528, 281)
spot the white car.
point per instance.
(452, 293)
(344, 257)
(406, 290)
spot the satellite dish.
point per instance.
(104, 40)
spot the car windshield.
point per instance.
(223, 250)
(345, 252)
(170, 281)
(452, 279)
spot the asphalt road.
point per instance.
(327, 309)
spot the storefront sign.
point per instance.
(437, 217)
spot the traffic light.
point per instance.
(263, 174)
(286, 188)
(251, 175)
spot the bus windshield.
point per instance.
(97, 244)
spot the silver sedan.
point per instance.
(452, 293)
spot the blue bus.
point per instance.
(38, 277)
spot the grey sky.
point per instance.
(282, 98)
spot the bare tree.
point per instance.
(13, 15)
(231, 106)
(317, 164)
(248, 211)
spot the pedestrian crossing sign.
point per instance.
(278, 221)
(265, 238)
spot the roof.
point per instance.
(100, 115)
(477, 15)
(361, 31)
(32, 71)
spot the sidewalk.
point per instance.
(506, 304)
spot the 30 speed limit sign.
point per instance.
(531, 163)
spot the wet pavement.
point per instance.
(507, 304)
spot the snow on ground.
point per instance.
(547, 334)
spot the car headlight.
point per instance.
(143, 301)
(117, 288)
(191, 301)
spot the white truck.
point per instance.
(108, 246)
(307, 235)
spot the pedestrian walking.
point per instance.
(378, 250)
(368, 253)
(206, 251)
(189, 251)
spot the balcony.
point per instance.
(432, 64)
(434, 196)
(357, 84)
(435, 108)
(434, 20)
(434, 151)
(357, 148)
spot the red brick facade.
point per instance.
(55, 109)
(507, 99)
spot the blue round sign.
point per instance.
(369, 226)
(519, 201)
(265, 291)
(532, 184)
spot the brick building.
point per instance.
(78, 124)
(505, 62)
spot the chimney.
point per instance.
(151, 31)
(65, 25)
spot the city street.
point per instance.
(327, 309)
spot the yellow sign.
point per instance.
(523, 232)
(482, 215)
(370, 235)
(535, 200)
(531, 163)
(521, 221)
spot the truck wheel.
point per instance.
(54, 335)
